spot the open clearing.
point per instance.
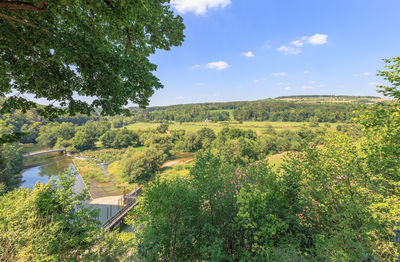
(254, 125)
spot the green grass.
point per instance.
(254, 125)
(99, 184)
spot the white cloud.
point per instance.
(279, 74)
(248, 54)
(289, 50)
(220, 65)
(317, 39)
(297, 43)
(373, 84)
(256, 81)
(199, 7)
(306, 72)
(295, 46)
(307, 87)
(196, 67)
(288, 88)
(199, 84)
(179, 97)
(280, 84)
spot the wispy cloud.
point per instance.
(363, 74)
(248, 54)
(289, 50)
(256, 81)
(288, 88)
(196, 67)
(199, 7)
(220, 65)
(279, 74)
(297, 43)
(294, 48)
(306, 72)
(307, 87)
(179, 97)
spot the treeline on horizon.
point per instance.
(263, 110)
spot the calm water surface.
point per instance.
(42, 168)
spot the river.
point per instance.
(42, 168)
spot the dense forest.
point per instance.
(337, 109)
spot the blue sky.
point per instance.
(255, 49)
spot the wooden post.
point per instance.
(124, 196)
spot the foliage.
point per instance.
(119, 138)
(47, 223)
(162, 142)
(262, 110)
(54, 132)
(104, 155)
(10, 165)
(141, 166)
(89, 170)
(82, 141)
(215, 214)
(392, 76)
(97, 49)
(163, 128)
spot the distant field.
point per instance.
(334, 99)
(254, 125)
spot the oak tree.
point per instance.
(66, 51)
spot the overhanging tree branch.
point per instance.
(19, 5)
(22, 22)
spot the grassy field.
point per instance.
(254, 125)
(94, 177)
(334, 99)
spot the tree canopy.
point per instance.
(57, 50)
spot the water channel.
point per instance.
(43, 167)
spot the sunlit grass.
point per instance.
(254, 125)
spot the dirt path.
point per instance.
(111, 200)
(182, 159)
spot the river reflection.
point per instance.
(43, 167)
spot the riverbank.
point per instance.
(99, 184)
